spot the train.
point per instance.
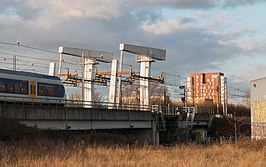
(30, 88)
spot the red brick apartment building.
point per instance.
(206, 87)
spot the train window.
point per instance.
(42, 90)
(62, 91)
(16, 88)
(23, 87)
(9, 87)
(2, 87)
(51, 90)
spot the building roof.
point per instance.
(220, 73)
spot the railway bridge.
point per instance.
(156, 124)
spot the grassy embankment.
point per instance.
(21, 146)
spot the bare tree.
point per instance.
(76, 98)
(131, 94)
(246, 99)
(237, 122)
(97, 97)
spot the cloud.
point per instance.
(193, 18)
(197, 42)
(194, 50)
(181, 4)
(253, 72)
(200, 21)
(68, 9)
(236, 3)
(188, 43)
(253, 46)
(164, 27)
(196, 4)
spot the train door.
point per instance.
(32, 89)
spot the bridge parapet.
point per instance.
(29, 112)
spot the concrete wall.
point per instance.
(258, 108)
(54, 117)
(28, 112)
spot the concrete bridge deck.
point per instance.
(59, 117)
(146, 124)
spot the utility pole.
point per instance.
(14, 62)
(83, 77)
(217, 92)
(119, 91)
(185, 92)
(192, 79)
(224, 112)
(235, 126)
(164, 90)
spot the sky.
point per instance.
(226, 36)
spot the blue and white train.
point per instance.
(27, 87)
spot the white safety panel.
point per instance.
(158, 54)
(101, 56)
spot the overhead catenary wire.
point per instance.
(26, 46)
(173, 86)
(19, 55)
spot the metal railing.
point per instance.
(167, 110)
(106, 105)
(71, 103)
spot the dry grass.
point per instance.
(28, 147)
(47, 152)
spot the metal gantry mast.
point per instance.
(89, 59)
(146, 55)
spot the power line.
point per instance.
(29, 57)
(26, 46)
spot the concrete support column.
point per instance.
(145, 72)
(113, 84)
(52, 69)
(155, 133)
(60, 62)
(89, 75)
